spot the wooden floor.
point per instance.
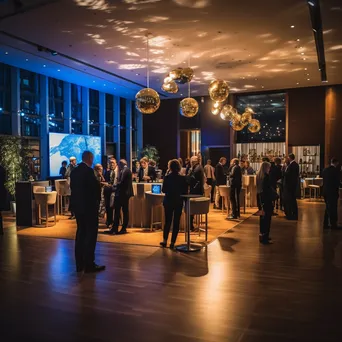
(235, 291)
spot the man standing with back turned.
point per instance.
(85, 200)
(291, 180)
(331, 185)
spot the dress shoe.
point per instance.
(122, 231)
(231, 217)
(110, 232)
(72, 218)
(217, 208)
(94, 268)
(172, 245)
(266, 242)
(163, 244)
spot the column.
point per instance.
(15, 101)
(333, 123)
(44, 127)
(117, 126)
(85, 111)
(67, 107)
(140, 130)
(129, 133)
(102, 121)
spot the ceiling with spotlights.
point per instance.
(254, 46)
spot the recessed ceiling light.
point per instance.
(181, 94)
(104, 84)
(305, 68)
(302, 53)
(44, 66)
(6, 53)
(59, 70)
(137, 74)
(304, 59)
(308, 79)
(292, 26)
(93, 81)
(114, 88)
(297, 82)
(298, 40)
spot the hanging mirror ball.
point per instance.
(218, 90)
(170, 87)
(187, 74)
(147, 101)
(188, 107)
(254, 126)
(176, 74)
(227, 112)
(246, 118)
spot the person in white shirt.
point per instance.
(209, 172)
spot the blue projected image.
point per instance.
(63, 146)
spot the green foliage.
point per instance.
(150, 152)
(15, 158)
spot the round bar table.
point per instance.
(188, 247)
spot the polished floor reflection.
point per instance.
(235, 291)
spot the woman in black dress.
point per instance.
(265, 200)
(174, 187)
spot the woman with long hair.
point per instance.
(98, 170)
(265, 200)
(174, 187)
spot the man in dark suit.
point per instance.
(147, 173)
(221, 179)
(85, 200)
(123, 192)
(108, 190)
(195, 180)
(291, 179)
(235, 181)
(331, 185)
(3, 196)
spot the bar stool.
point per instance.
(156, 202)
(315, 189)
(224, 193)
(45, 199)
(63, 191)
(198, 207)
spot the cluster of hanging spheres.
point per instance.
(147, 101)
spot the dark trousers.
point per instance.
(290, 204)
(172, 211)
(235, 200)
(330, 216)
(211, 182)
(120, 204)
(265, 225)
(1, 225)
(86, 235)
(107, 191)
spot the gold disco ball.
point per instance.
(170, 87)
(246, 118)
(216, 109)
(237, 125)
(147, 101)
(218, 90)
(249, 110)
(235, 117)
(188, 107)
(254, 126)
(227, 112)
(176, 74)
(187, 75)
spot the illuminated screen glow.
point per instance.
(63, 146)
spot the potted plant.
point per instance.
(14, 157)
(150, 152)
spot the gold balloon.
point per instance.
(236, 117)
(249, 110)
(218, 90)
(237, 125)
(254, 126)
(147, 101)
(188, 107)
(170, 87)
(246, 118)
(187, 75)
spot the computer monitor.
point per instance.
(156, 189)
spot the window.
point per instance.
(109, 118)
(76, 108)
(94, 112)
(29, 103)
(270, 110)
(122, 128)
(56, 105)
(134, 132)
(5, 99)
(35, 162)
